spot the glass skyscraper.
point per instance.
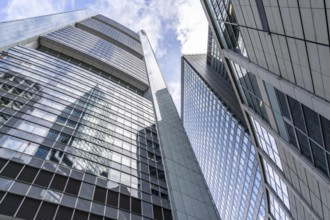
(216, 129)
(277, 57)
(88, 129)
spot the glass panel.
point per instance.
(297, 114)
(304, 146)
(283, 104)
(326, 132)
(313, 125)
(319, 158)
(292, 137)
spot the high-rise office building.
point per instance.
(88, 129)
(216, 129)
(277, 57)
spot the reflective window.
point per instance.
(228, 158)
(231, 36)
(277, 184)
(266, 141)
(249, 89)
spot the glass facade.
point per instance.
(304, 129)
(223, 149)
(189, 193)
(214, 58)
(24, 30)
(283, 85)
(77, 142)
(226, 24)
(80, 129)
(82, 138)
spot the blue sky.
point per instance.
(174, 27)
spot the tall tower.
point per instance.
(277, 57)
(88, 129)
(217, 131)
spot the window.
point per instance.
(313, 125)
(42, 151)
(326, 132)
(297, 114)
(304, 145)
(11, 170)
(28, 174)
(10, 204)
(112, 198)
(52, 134)
(58, 182)
(43, 178)
(46, 211)
(64, 138)
(99, 194)
(262, 15)
(319, 158)
(28, 209)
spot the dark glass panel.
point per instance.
(112, 198)
(161, 175)
(11, 170)
(73, 186)
(167, 214)
(58, 182)
(124, 202)
(153, 171)
(297, 114)
(313, 125)
(9, 204)
(304, 145)
(328, 157)
(262, 15)
(43, 178)
(46, 211)
(136, 205)
(319, 158)
(28, 209)
(283, 104)
(292, 137)
(28, 174)
(95, 217)
(157, 213)
(2, 163)
(326, 132)
(64, 213)
(154, 192)
(80, 215)
(99, 194)
(1, 194)
(164, 195)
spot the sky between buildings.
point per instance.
(174, 27)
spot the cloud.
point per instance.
(192, 27)
(18, 9)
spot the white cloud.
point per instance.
(18, 9)
(192, 27)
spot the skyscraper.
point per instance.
(88, 129)
(277, 57)
(217, 131)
